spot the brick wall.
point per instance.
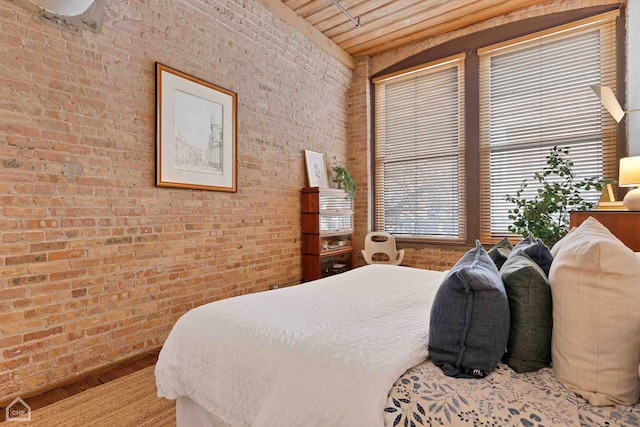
(359, 112)
(96, 263)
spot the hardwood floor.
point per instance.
(92, 380)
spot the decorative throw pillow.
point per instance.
(500, 252)
(469, 323)
(595, 343)
(537, 250)
(527, 287)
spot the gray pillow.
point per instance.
(469, 321)
(527, 286)
(537, 250)
(500, 252)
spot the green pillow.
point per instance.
(530, 307)
(500, 252)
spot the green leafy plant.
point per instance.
(547, 214)
(342, 177)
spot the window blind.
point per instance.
(535, 94)
(418, 156)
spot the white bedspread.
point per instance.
(318, 354)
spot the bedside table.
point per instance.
(625, 225)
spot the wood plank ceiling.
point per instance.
(387, 24)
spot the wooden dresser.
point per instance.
(625, 225)
(327, 229)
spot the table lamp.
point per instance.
(630, 177)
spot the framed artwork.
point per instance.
(195, 133)
(316, 169)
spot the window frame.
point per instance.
(580, 31)
(469, 45)
(409, 76)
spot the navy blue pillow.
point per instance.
(500, 252)
(469, 324)
(537, 250)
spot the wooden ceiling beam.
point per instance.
(287, 14)
(308, 8)
(295, 4)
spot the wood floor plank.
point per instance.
(90, 381)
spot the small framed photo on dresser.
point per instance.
(316, 169)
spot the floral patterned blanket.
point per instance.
(424, 396)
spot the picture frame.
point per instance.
(196, 128)
(316, 169)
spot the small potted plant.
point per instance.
(546, 213)
(342, 177)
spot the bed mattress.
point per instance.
(297, 356)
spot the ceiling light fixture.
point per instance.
(64, 7)
(610, 102)
(356, 21)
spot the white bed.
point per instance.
(348, 350)
(283, 357)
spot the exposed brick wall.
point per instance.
(418, 255)
(359, 155)
(96, 263)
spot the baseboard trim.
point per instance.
(79, 377)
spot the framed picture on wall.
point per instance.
(195, 133)
(316, 169)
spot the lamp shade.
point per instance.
(629, 172)
(630, 177)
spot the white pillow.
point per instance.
(595, 286)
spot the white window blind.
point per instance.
(535, 94)
(419, 147)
